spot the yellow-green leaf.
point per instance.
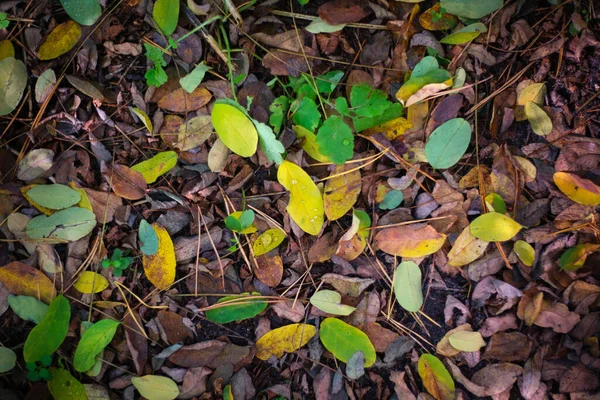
(525, 252)
(62, 39)
(144, 118)
(309, 143)
(494, 227)
(540, 122)
(235, 129)
(341, 191)
(466, 341)
(160, 267)
(286, 339)
(267, 241)
(166, 15)
(574, 258)
(6, 49)
(410, 241)
(306, 204)
(436, 378)
(534, 92)
(248, 230)
(408, 287)
(64, 386)
(155, 387)
(90, 282)
(466, 249)
(465, 34)
(13, 81)
(158, 165)
(579, 190)
(343, 340)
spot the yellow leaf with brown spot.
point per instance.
(62, 39)
(410, 241)
(391, 129)
(579, 190)
(90, 282)
(286, 339)
(160, 267)
(341, 191)
(24, 280)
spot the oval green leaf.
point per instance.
(55, 197)
(473, 9)
(494, 227)
(235, 129)
(436, 378)
(243, 308)
(154, 387)
(465, 34)
(13, 80)
(496, 203)
(28, 308)
(408, 287)
(267, 241)
(343, 340)
(448, 143)
(93, 341)
(574, 258)
(541, 124)
(148, 238)
(335, 140)
(166, 15)
(466, 341)
(8, 359)
(64, 386)
(48, 335)
(65, 225)
(86, 12)
(525, 252)
(329, 301)
(141, 114)
(156, 166)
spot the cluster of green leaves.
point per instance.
(119, 261)
(3, 20)
(157, 75)
(38, 370)
(241, 222)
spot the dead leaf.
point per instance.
(211, 354)
(181, 101)
(172, 328)
(347, 286)
(343, 11)
(270, 269)
(508, 346)
(410, 240)
(136, 342)
(23, 280)
(125, 182)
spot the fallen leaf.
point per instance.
(408, 287)
(286, 339)
(494, 227)
(508, 346)
(497, 378)
(86, 12)
(160, 267)
(62, 39)
(155, 387)
(22, 279)
(180, 101)
(48, 335)
(156, 166)
(270, 269)
(242, 307)
(436, 378)
(70, 225)
(341, 191)
(466, 249)
(89, 88)
(125, 182)
(466, 341)
(90, 282)
(64, 386)
(409, 240)
(579, 190)
(93, 341)
(329, 302)
(343, 11)
(448, 143)
(540, 122)
(35, 164)
(343, 340)
(347, 286)
(235, 129)
(13, 80)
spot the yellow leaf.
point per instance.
(391, 129)
(534, 92)
(466, 341)
(579, 190)
(235, 129)
(417, 114)
(309, 144)
(90, 282)
(62, 39)
(494, 227)
(155, 387)
(306, 204)
(267, 241)
(286, 339)
(540, 122)
(410, 241)
(467, 248)
(525, 252)
(85, 200)
(156, 166)
(22, 279)
(341, 192)
(160, 267)
(526, 167)
(144, 117)
(6, 49)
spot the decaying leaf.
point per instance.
(410, 240)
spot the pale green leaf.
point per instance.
(13, 80)
(48, 335)
(70, 224)
(408, 287)
(166, 15)
(329, 301)
(28, 308)
(191, 81)
(154, 387)
(448, 143)
(55, 197)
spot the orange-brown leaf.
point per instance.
(24, 280)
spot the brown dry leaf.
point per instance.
(431, 23)
(125, 182)
(557, 316)
(350, 249)
(270, 269)
(347, 286)
(284, 64)
(323, 249)
(498, 324)
(136, 342)
(380, 336)
(446, 110)
(509, 346)
(23, 280)
(343, 11)
(181, 101)
(497, 295)
(211, 353)
(294, 311)
(104, 204)
(172, 328)
(497, 378)
(341, 192)
(410, 240)
(578, 378)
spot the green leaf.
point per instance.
(496, 203)
(278, 108)
(246, 219)
(239, 221)
(8, 359)
(272, 147)
(425, 66)
(408, 287)
(392, 199)
(64, 386)
(85, 12)
(190, 82)
(494, 227)
(154, 387)
(49, 334)
(267, 241)
(327, 83)
(156, 166)
(55, 197)
(148, 238)
(465, 34)
(329, 301)
(244, 308)
(305, 113)
(319, 26)
(70, 224)
(541, 124)
(28, 308)
(575, 257)
(343, 340)
(525, 252)
(448, 143)
(466, 341)
(235, 128)
(436, 378)
(415, 83)
(368, 101)
(392, 112)
(335, 140)
(93, 341)
(166, 14)
(156, 76)
(473, 9)
(13, 80)
(364, 222)
(309, 143)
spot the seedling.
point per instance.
(3, 20)
(119, 261)
(239, 223)
(39, 370)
